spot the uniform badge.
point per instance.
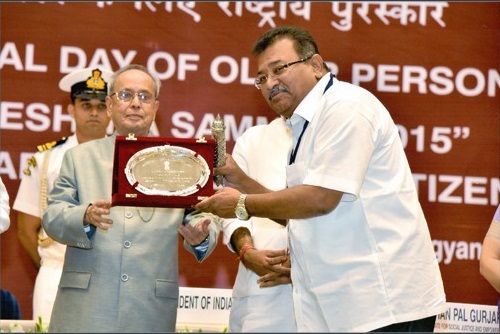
(32, 163)
(96, 81)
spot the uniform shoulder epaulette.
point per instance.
(51, 144)
(44, 147)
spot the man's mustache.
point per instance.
(275, 90)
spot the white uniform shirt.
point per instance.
(5, 208)
(262, 153)
(28, 196)
(370, 262)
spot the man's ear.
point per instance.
(317, 64)
(109, 105)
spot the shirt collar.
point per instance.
(307, 107)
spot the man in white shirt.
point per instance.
(361, 254)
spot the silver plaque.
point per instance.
(167, 170)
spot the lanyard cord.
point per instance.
(294, 151)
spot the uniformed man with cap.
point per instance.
(88, 90)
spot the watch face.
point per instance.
(241, 213)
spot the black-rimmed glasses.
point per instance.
(277, 71)
(127, 95)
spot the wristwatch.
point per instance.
(241, 210)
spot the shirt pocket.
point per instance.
(76, 280)
(296, 173)
(166, 289)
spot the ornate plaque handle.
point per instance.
(219, 135)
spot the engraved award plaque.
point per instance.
(219, 135)
(162, 172)
(167, 170)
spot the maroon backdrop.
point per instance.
(435, 65)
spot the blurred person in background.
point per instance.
(260, 153)
(489, 262)
(9, 306)
(5, 208)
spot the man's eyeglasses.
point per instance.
(277, 71)
(127, 95)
